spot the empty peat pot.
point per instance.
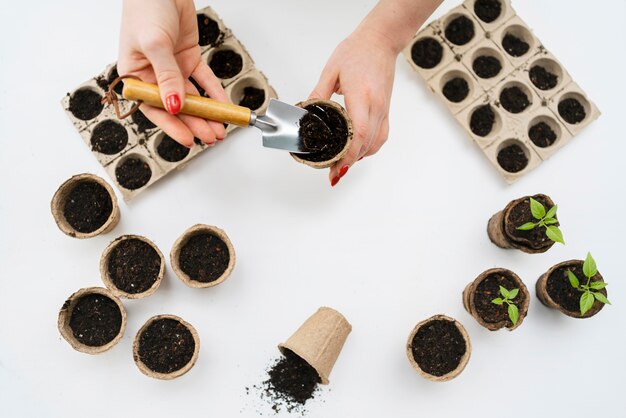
(326, 130)
(132, 267)
(438, 348)
(166, 347)
(502, 227)
(92, 320)
(319, 340)
(555, 291)
(85, 206)
(203, 256)
(479, 294)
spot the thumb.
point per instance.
(169, 78)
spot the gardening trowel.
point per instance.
(280, 124)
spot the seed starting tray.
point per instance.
(136, 152)
(449, 55)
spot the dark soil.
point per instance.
(166, 346)
(572, 111)
(95, 320)
(109, 137)
(520, 214)
(170, 150)
(112, 76)
(226, 63)
(542, 78)
(562, 292)
(333, 144)
(142, 122)
(291, 383)
(514, 46)
(486, 66)
(133, 173)
(512, 158)
(482, 120)
(209, 31)
(460, 30)
(487, 10)
(85, 104)
(201, 91)
(87, 206)
(204, 257)
(438, 347)
(427, 53)
(489, 289)
(253, 98)
(514, 100)
(313, 132)
(456, 90)
(542, 135)
(133, 265)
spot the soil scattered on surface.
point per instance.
(95, 320)
(512, 158)
(172, 151)
(482, 120)
(226, 63)
(521, 214)
(542, 135)
(331, 145)
(487, 10)
(87, 206)
(109, 137)
(460, 30)
(85, 104)
(514, 46)
(204, 257)
(486, 66)
(142, 122)
(572, 111)
(166, 346)
(253, 98)
(456, 89)
(438, 347)
(133, 173)
(514, 99)
(542, 78)
(133, 265)
(561, 291)
(209, 31)
(489, 289)
(427, 53)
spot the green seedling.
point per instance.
(545, 219)
(507, 297)
(590, 290)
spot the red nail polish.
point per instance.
(334, 181)
(360, 158)
(343, 171)
(172, 103)
(220, 139)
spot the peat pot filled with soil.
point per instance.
(504, 227)
(555, 290)
(326, 131)
(438, 348)
(203, 256)
(132, 267)
(166, 347)
(497, 299)
(92, 320)
(85, 206)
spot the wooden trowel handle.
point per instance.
(194, 105)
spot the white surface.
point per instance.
(394, 243)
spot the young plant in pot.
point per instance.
(528, 224)
(497, 299)
(574, 287)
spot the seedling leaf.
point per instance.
(504, 292)
(526, 227)
(586, 302)
(513, 313)
(550, 221)
(573, 279)
(498, 301)
(537, 209)
(589, 266)
(555, 234)
(513, 293)
(551, 212)
(601, 297)
(597, 285)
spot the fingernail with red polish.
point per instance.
(220, 139)
(172, 103)
(334, 181)
(360, 158)
(343, 171)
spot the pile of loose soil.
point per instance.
(460, 30)
(204, 257)
(514, 46)
(542, 135)
(95, 320)
(87, 206)
(482, 120)
(109, 137)
(133, 265)
(512, 158)
(487, 10)
(253, 98)
(226, 63)
(209, 31)
(456, 89)
(133, 173)
(327, 138)
(542, 78)
(313, 132)
(572, 111)
(514, 99)
(85, 104)
(486, 66)
(166, 346)
(172, 151)
(438, 347)
(427, 53)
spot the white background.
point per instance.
(395, 242)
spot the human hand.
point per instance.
(159, 43)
